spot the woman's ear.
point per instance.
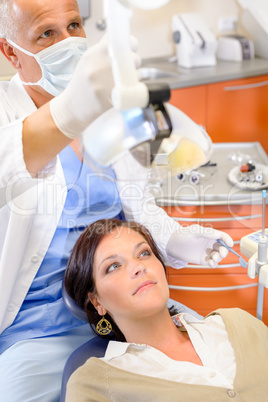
(95, 301)
(9, 52)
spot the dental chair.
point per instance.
(96, 346)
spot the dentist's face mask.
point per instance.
(57, 63)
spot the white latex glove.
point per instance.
(198, 245)
(88, 94)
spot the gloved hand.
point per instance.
(88, 94)
(197, 244)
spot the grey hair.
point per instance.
(8, 26)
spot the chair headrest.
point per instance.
(72, 306)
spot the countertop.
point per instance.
(223, 71)
(215, 188)
(187, 77)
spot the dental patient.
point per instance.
(117, 274)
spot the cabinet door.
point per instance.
(238, 110)
(192, 101)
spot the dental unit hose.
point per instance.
(262, 257)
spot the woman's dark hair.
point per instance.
(79, 281)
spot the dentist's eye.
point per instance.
(46, 34)
(112, 268)
(73, 26)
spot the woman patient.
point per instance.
(117, 274)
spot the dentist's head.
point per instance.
(43, 40)
(8, 24)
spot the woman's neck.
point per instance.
(161, 333)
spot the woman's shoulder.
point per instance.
(239, 316)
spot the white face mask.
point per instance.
(57, 63)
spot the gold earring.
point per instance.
(104, 327)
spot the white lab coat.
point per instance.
(30, 208)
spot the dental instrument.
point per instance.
(254, 246)
(242, 262)
(161, 137)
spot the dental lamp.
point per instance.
(159, 136)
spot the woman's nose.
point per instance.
(137, 269)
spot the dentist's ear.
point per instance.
(95, 301)
(10, 53)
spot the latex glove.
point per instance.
(198, 245)
(88, 94)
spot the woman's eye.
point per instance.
(112, 267)
(145, 253)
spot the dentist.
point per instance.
(48, 196)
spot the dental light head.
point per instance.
(159, 136)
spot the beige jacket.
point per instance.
(98, 381)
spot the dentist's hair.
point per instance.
(8, 26)
(79, 281)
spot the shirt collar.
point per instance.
(182, 319)
(22, 102)
(116, 348)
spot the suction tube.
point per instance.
(262, 257)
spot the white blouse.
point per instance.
(210, 340)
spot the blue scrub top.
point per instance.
(89, 199)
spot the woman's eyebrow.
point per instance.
(111, 257)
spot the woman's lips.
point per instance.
(143, 286)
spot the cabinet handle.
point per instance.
(167, 202)
(246, 86)
(214, 289)
(228, 219)
(233, 265)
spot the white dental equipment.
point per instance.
(254, 246)
(140, 120)
(196, 45)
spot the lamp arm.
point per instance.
(128, 92)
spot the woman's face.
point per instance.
(130, 281)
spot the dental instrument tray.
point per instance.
(217, 189)
(251, 176)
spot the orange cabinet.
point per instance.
(192, 101)
(231, 111)
(206, 289)
(238, 110)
